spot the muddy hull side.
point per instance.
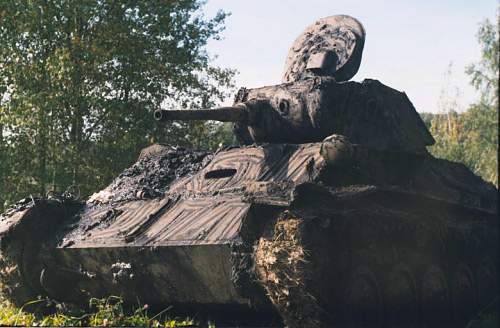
(361, 258)
(155, 275)
(382, 259)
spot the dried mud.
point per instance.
(152, 174)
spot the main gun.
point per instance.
(221, 114)
(255, 121)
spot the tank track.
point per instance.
(22, 243)
(387, 265)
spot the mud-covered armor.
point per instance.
(331, 212)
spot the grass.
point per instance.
(108, 312)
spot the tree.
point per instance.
(484, 75)
(79, 80)
(472, 137)
(481, 120)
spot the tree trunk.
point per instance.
(2, 169)
(42, 152)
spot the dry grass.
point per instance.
(281, 262)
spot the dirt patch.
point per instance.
(282, 265)
(151, 175)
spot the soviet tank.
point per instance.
(331, 212)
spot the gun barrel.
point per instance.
(222, 114)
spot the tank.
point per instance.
(331, 213)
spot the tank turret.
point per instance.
(314, 101)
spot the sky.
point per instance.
(410, 44)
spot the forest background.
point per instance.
(79, 81)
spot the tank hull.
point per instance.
(399, 260)
(322, 234)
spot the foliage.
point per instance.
(79, 80)
(108, 312)
(11, 316)
(427, 118)
(471, 137)
(484, 74)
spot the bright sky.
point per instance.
(409, 44)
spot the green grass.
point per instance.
(108, 312)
